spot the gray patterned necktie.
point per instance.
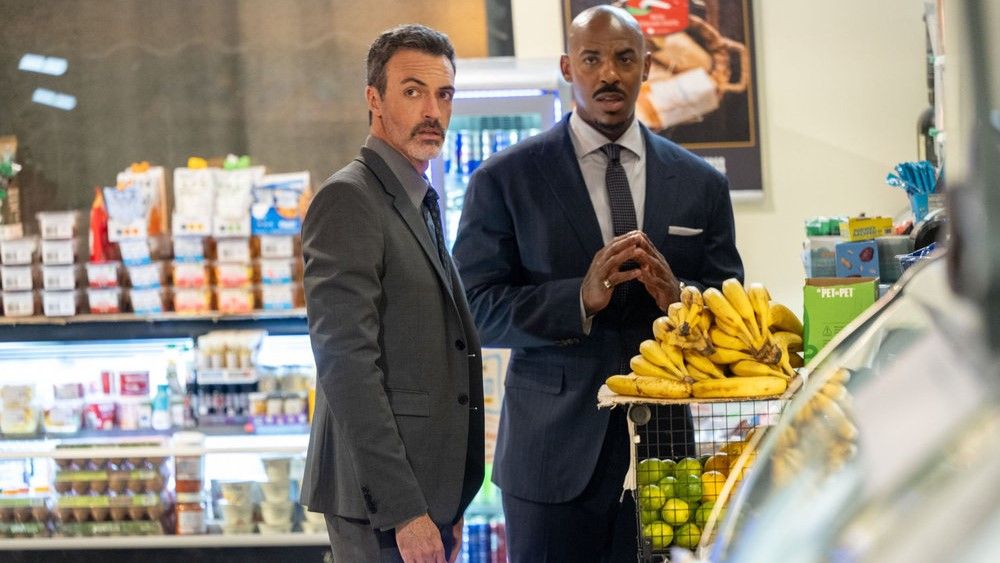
(432, 217)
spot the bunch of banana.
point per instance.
(753, 336)
(829, 408)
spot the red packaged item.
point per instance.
(100, 244)
(133, 383)
(100, 416)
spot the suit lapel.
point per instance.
(411, 216)
(663, 189)
(557, 161)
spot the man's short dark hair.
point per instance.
(414, 37)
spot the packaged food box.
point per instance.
(148, 301)
(190, 275)
(133, 383)
(103, 274)
(62, 251)
(865, 228)
(104, 301)
(18, 252)
(60, 303)
(857, 259)
(135, 251)
(18, 419)
(19, 303)
(17, 278)
(277, 246)
(234, 300)
(235, 249)
(189, 248)
(277, 296)
(63, 417)
(63, 277)
(278, 271)
(829, 305)
(148, 275)
(233, 274)
(57, 224)
(192, 300)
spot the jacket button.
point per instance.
(463, 399)
(459, 344)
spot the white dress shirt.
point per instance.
(587, 143)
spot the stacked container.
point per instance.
(19, 276)
(280, 272)
(60, 269)
(277, 508)
(237, 507)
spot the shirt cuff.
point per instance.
(585, 321)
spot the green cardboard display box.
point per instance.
(829, 304)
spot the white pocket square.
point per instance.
(683, 231)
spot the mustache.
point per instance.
(609, 89)
(429, 125)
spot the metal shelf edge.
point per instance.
(165, 542)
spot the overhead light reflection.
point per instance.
(58, 100)
(55, 66)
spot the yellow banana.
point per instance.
(697, 375)
(842, 375)
(693, 305)
(723, 339)
(661, 327)
(733, 290)
(736, 331)
(725, 315)
(642, 366)
(675, 355)
(726, 356)
(706, 322)
(734, 387)
(788, 341)
(650, 350)
(703, 364)
(653, 387)
(782, 318)
(749, 368)
(674, 314)
(760, 300)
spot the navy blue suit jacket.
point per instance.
(527, 235)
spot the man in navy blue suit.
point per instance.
(570, 245)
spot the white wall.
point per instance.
(840, 86)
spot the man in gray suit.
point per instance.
(396, 451)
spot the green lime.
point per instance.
(669, 486)
(650, 471)
(652, 498)
(688, 536)
(649, 516)
(660, 535)
(688, 465)
(675, 512)
(688, 488)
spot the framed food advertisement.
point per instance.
(701, 92)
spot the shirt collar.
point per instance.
(415, 184)
(586, 139)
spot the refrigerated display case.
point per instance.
(105, 487)
(498, 102)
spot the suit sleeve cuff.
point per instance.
(585, 322)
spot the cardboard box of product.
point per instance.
(829, 305)
(857, 259)
(820, 256)
(865, 228)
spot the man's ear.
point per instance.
(374, 100)
(564, 67)
(648, 59)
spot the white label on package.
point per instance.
(59, 303)
(18, 252)
(233, 250)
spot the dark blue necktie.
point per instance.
(432, 217)
(622, 208)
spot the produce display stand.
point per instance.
(687, 457)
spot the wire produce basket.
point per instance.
(688, 457)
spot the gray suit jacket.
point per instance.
(398, 423)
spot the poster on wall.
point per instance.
(701, 91)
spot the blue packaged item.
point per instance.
(857, 259)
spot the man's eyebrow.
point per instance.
(413, 79)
